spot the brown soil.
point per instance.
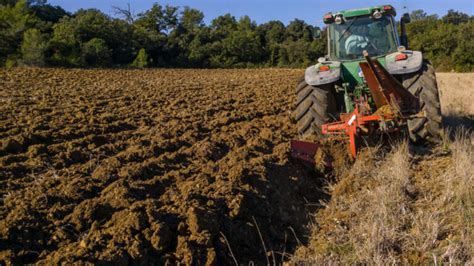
(152, 166)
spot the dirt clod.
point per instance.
(150, 167)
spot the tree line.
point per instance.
(35, 33)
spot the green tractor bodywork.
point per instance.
(341, 66)
(363, 12)
(368, 84)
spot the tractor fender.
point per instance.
(412, 63)
(315, 76)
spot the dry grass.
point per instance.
(400, 207)
(457, 94)
(411, 205)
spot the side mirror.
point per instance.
(403, 37)
(406, 18)
(317, 33)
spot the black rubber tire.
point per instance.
(315, 106)
(423, 85)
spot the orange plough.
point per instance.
(394, 105)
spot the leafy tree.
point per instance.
(463, 54)
(92, 23)
(33, 48)
(200, 48)
(191, 19)
(71, 34)
(298, 30)
(158, 19)
(96, 53)
(298, 38)
(151, 28)
(14, 21)
(190, 23)
(34, 32)
(273, 32)
(446, 41)
(418, 14)
(64, 44)
(297, 52)
(222, 26)
(241, 45)
(317, 48)
(455, 17)
(220, 30)
(272, 36)
(283, 58)
(49, 13)
(246, 42)
(121, 42)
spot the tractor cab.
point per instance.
(352, 32)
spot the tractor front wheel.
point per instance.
(423, 85)
(315, 106)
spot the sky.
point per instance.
(262, 11)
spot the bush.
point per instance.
(95, 53)
(141, 60)
(10, 63)
(33, 48)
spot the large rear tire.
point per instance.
(315, 106)
(423, 85)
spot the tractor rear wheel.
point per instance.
(315, 106)
(423, 85)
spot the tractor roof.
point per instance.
(365, 11)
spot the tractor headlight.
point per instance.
(377, 14)
(339, 20)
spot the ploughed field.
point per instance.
(150, 166)
(155, 166)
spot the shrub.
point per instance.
(33, 48)
(96, 53)
(141, 60)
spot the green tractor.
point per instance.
(369, 76)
